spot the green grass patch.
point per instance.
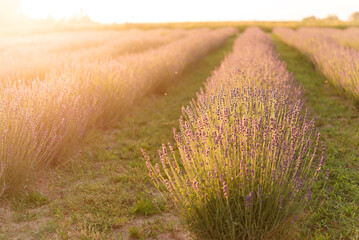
(146, 205)
(28, 200)
(338, 216)
(135, 232)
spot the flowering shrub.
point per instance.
(249, 153)
(329, 52)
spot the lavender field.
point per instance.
(180, 133)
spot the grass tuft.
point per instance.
(146, 205)
(135, 232)
(31, 199)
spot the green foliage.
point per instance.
(31, 199)
(135, 232)
(146, 205)
(24, 215)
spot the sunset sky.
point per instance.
(109, 11)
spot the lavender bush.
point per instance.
(249, 153)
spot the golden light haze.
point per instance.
(119, 11)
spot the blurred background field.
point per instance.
(260, 116)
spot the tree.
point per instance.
(310, 19)
(354, 17)
(332, 17)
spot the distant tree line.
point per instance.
(354, 17)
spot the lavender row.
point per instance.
(338, 62)
(248, 151)
(348, 37)
(29, 58)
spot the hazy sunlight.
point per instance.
(108, 11)
(258, 101)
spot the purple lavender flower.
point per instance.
(249, 199)
(309, 195)
(225, 191)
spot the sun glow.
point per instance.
(42, 9)
(120, 11)
(105, 11)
